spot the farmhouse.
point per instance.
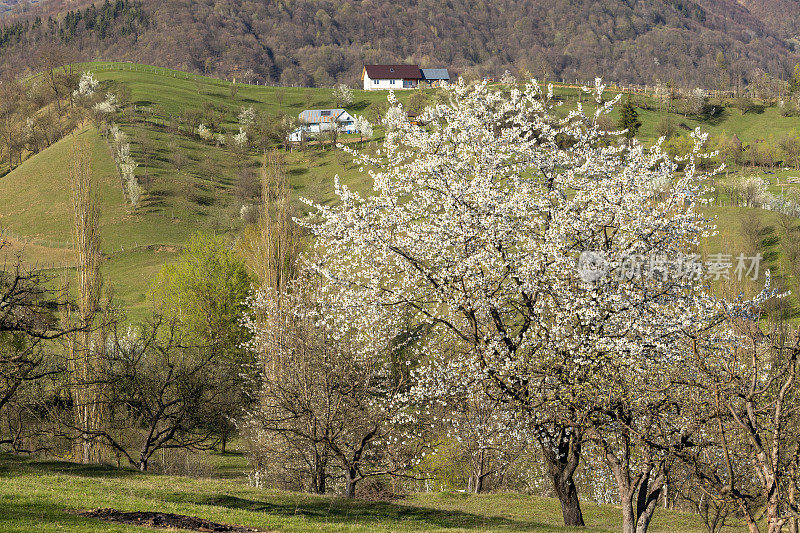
(378, 77)
(319, 120)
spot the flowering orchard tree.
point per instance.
(485, 435)
(364, 128)
(87, 86)
(511, 232)
(205, 132)
(247, 117)
(107, 106)
(343, 95)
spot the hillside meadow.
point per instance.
(191, 185)
(42, 495)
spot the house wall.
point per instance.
(376, 85)
(319, 127)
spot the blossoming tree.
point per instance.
(521, 238)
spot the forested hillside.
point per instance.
(304, 42)
(782, 16)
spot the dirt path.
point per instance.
(165, 521)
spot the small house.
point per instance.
(319, 120)
(378, 77)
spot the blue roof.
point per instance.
(435, 74)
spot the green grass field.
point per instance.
(38, 495)
(191, 185)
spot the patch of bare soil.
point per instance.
(165, 521)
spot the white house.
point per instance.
(377, 77)
(318, 120)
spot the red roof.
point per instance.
(391, 72)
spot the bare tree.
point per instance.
(324, 405)
(85, 358)
(28, 329)
(12, 121)
(59, 75)
(272, 246)
(749, 454)
(161, 391)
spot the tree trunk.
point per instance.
(479, 475)
(350, 483)
(628, 518)
(639, 490)
(478, 484)
(562, 451)
(774, 522)
(568, 496)
(319, 477)
(224, 443)
(752, 526)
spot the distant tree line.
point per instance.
(123, 16)
(319, 43)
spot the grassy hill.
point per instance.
(191, 185)
(38, 495)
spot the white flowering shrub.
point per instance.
(127, 168)
(364, 127)
(117, 135)
(247, 117)
(343, 95)
(507, 78)
(751, 190)
(134, 191)
(121, 150)
(107, 106)
(221, 139)
(204, 132)
(248, 212)
(240, 139)
(86, 86)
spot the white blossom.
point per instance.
(364, 127)
(109, 105)
(343, 94)
(507, 78)
(86, 86)
(247, 116)
(204, 132)
(240, 139)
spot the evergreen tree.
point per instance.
(794, 81)
(629, 119)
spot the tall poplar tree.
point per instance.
(85, 348)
